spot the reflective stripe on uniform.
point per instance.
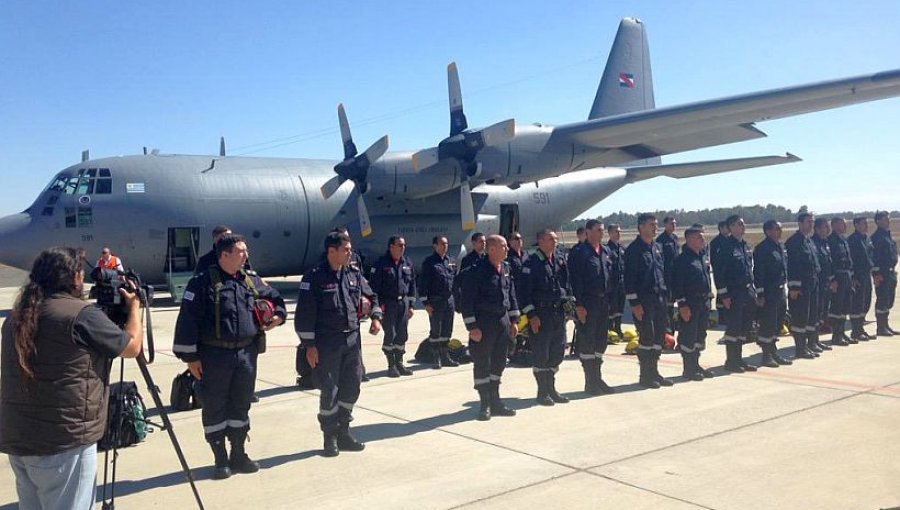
(185, 349)
(795, 329)
(346, 405)
(528, 308)
(587, 356)
(328, 412)
(765, 339)
(238, 424)
(483, 380)
(307, 335)
(209, 429)
(469, 320)
(630, 296)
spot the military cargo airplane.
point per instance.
(155, 210)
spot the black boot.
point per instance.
(617, 327)
(240, 462)
(497, 406)
(436, 362)
(346, 442)
(647, 379)
(858, 332)
(767, 359)
(446, 360)
(777, 357)
(800, 351)
(707, 374)
(654, 363)
(398, 362)
(691, 370)
(222, 469)
(837, 332)
(882, 329)
(330, 448)
(604, 388)
(814, 338)
(551, 389)
(392, 365)
(591, 377)
(811, 344)
(484, 394)
(746, 366)
(733, 358)
(543, 396)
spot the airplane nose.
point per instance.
(13, 234)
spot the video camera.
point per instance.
(107, 283)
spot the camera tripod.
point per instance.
(166, 425)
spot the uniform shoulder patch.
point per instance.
(304, 285)
(188, 296)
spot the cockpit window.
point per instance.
(86, 181)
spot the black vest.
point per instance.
(64, 405)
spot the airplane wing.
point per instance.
(695, 169)
(692, 126)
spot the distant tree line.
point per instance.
(751, 214)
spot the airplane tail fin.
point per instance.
(627, 82)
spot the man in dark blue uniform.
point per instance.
(827, 282)
(581, 235)
(885, 272)
(616, 278)
(491, 314)
(803, 288)
(715, 260)
(332, 298)
(393, 278)
(438, 271)
(477, 253)
(770, 278)
(219, 336)
(842, 264)
(734, 283)
(590, 283)
(544, 290)
(862, 254)
(646, 292)
(668, 242)
(692, 290)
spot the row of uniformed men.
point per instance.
(828, 277)
(329, 310)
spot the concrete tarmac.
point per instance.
(821, 434)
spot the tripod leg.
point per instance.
(167, 425)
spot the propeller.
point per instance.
(355, 168)
(463, 145)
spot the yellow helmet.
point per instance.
(632, 346)
(523, 322)
(630, 334)
(613, 337)
(455, 344)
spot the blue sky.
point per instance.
(115, 76)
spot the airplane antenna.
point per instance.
(85, 155)
(222, 146)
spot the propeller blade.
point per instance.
(458, 122)
(466, 208)
(365, 226)
(425, 158)
(349, 146)
(499, 133)
(331, 186)
(222, 146)
(376, 150)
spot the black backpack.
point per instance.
(125, 424)
(184, 395)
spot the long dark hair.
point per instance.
(52, 272)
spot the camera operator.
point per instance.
(219, 336)
(54, 366)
